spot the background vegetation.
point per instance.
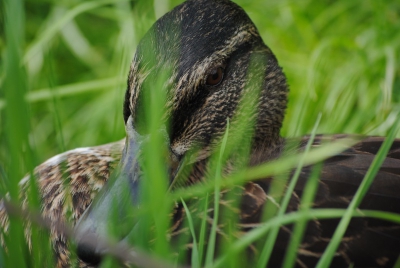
(341, 58)
(64, 66)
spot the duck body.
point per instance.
(367, 242)
(216, 61)
(69, 182)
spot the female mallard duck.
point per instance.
(215, 58)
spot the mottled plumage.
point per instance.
(195, 41)
(68, 182)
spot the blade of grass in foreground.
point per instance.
(217, 189)
(154, 184)
(362, 190)
(195, 260)
(306, 202)
(202, 235)
(269, 244)
(17, 126)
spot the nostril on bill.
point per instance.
(88, 254)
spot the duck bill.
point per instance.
(115, 201)
(115, 204)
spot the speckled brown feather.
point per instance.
(68, 183)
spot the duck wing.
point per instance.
(368, 242)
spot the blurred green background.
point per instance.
(342, 59)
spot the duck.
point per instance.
(221, 85)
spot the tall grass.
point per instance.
(341, 60)
(63, 72)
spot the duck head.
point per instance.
(204, 57)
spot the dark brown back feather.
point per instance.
(367, 242)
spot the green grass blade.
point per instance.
(195, 259)
(17, 128)
(306, 202)
(49, 33)
(269, 244)
(217, 187)
(203, 229)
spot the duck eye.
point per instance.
(215, 76)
